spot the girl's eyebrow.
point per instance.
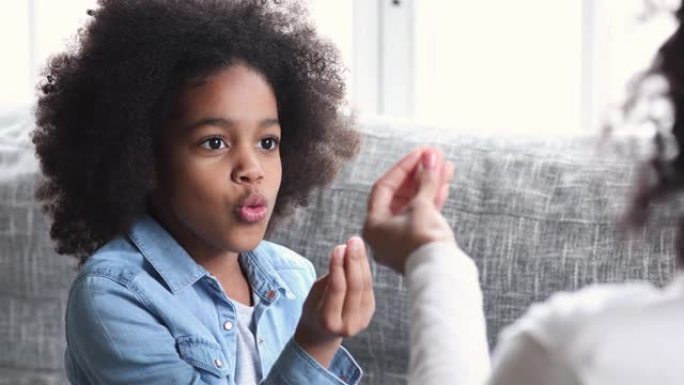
(227, 123)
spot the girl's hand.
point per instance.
(340, 304)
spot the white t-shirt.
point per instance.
(247, 370)
(603, 334)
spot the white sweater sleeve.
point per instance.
(448, 333)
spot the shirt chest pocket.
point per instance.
(205, 355)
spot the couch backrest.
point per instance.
(33, 280)
(537, 216)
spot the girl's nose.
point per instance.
(247, 169)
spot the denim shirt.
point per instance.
(142, 311)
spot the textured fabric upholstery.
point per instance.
(537, 215)
(33, 280)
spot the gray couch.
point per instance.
(537, 215)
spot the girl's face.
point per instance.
(219, 164)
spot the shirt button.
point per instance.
(228, 325)
(218, 363)
(260, 340)
(271, 294)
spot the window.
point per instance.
(500, 66)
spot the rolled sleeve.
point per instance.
(295, 366)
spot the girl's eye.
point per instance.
(214, 144)
(269, 144)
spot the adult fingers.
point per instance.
(428, 175)
(335, 293)
(384, 188)
(443, 194)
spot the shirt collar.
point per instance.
(169, 259)
(266, 282)
(178, 270)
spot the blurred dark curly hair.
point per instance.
(103, 103)
(662, 177)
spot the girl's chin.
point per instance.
(245, 241)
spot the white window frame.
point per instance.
(383, 65)
(383, 57)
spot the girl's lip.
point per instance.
(252, 208)
(252, 214)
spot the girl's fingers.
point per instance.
(317, 291)
(335, 293)
(353, 267)
(368, 297)
(348, 303)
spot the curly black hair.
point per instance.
(102, 104)
(662, 176)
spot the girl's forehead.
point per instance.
(230, 97)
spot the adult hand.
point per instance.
(403, 207)
(340, 304)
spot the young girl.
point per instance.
(169, 137)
